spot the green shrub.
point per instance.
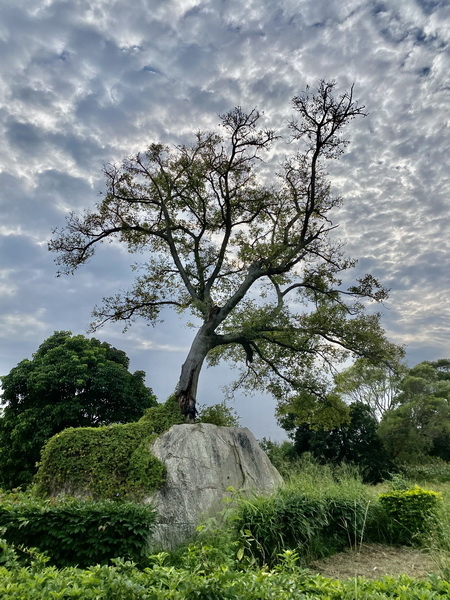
(74, 532)
(112, 462)
(162, 581)
(409, 512)
(218, 414)
(437, 470)
(160, 418)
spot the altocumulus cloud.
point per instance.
(88, 82)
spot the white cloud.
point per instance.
(21, 325)
(86, 82)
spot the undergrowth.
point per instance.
(211, 579)
(76, 532)
(259, 548)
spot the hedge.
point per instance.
(74, 532)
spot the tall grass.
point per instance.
(319, 510)
(436, 539)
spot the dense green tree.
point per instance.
(375, 385)
(355, 442)
(420, 424)
(71, 381)
(252, 256)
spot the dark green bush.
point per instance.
(409, 512)
(74, 532)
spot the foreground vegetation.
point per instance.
(261, 548)
(163, 581)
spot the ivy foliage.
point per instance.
(112, 462)
(161, 417)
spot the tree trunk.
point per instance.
(187, 385)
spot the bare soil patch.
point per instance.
(374, 561)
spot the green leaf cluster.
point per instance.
(73, 532)
(112, 462)
(410, 512)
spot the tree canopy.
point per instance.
(375, 385)
(356, 442)
(395, 416)
(71, 381)
(419, 424)
(253, 257)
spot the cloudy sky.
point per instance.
(85, 82)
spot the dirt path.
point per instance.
(374, 561)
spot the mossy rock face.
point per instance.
(112, 462)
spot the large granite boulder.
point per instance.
(202, 461)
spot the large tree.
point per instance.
(251, 255)
(355, 442)
(419, 425)
(375, 385)
(71, 381)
